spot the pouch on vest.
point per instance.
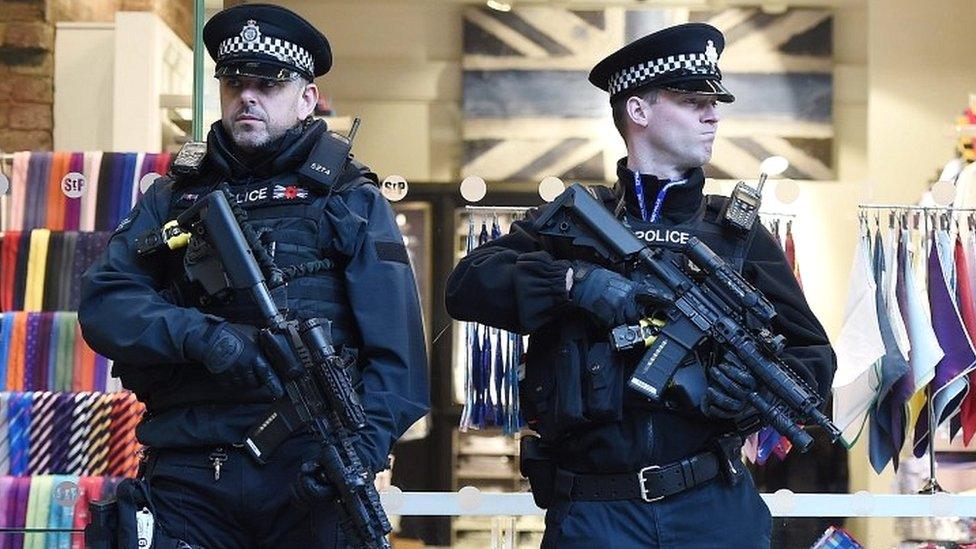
(551, 391)
(567, 363)
(536, 465)
(603, 383)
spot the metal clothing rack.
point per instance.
(507, 209)
(914, 208)
(932, 485)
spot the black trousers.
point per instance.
(249, 506)
(715, 515)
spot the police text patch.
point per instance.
(260, 194)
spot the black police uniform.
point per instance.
(346, 252)
(597, 434)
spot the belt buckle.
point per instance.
(643, 489)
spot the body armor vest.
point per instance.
(575, 349)
(289, 217)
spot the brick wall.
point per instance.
(26, 75)
(178, 14)
(27, 58)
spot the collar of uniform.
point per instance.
(680, 203)
(290, 153)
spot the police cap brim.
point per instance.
(280, 72)
(711, 88)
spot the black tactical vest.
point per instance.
(289, 214)
(706, 224)
(574, 379)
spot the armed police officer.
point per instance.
(193, 360)
(614, 468)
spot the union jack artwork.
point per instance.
(529, 111)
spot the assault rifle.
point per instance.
(319, 394)
(704, 301)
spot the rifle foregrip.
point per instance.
(779, 418)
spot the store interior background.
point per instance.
(903, 71)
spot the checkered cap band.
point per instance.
(639, 74)
(282, 50)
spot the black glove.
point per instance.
(610, 297)
(312, 486)
(233, 356)
(728, 391)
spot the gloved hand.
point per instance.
(728, 390)
(610, 297)
(312, 486)
(233, 356)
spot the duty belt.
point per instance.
(650, 483)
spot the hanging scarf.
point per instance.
(858, 347)
(950, 384)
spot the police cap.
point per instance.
(682, 58)
(266, 41)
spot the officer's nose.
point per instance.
(249, 95)
(710, 116)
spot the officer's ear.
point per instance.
(308, 99)
(638, 110)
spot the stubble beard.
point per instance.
(249, 141)
(252, 140)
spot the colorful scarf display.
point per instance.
(38, 198)
(41, 270)
(45, 351)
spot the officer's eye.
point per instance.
(270, 83)
(232, 82)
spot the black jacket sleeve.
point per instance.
(808, 352)
(385, 303)
(509, 283)
(122, 314)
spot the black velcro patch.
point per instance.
(392, 251)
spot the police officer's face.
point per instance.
(255, 111)
(681, 128)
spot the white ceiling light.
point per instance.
(499, 5)
(473, 188)
(550, 188)
(772, 166)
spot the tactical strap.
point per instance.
(649, 483)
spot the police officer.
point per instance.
(193, 361)
(614, 468)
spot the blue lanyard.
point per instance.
(639, 189)
(658, 203)
(660, 198)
